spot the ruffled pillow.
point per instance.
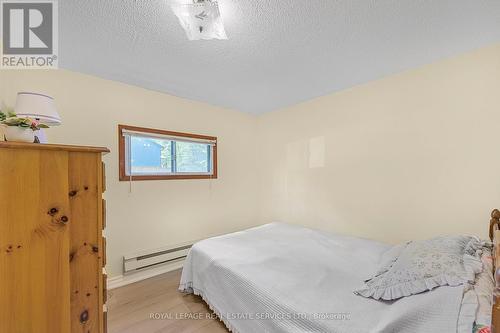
(484, 287)
(388, 258)
(424, 265)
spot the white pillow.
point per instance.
(425, 265)
(484, 286)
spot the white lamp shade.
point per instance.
(37, 106)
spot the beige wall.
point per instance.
(409, 156)
(157, 213)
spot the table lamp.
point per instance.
(40, 107)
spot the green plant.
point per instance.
(11, 119)
(6, 112)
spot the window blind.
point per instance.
(130, 133)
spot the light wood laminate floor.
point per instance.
(130, 308)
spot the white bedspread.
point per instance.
(284, 278)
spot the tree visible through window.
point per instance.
(192, 157)
(147, 154)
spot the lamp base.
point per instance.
(40, 136)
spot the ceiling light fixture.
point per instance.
(200, 19)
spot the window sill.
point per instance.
(124, 178)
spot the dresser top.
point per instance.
(45, 146)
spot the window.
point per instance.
(150, 154)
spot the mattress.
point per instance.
(285, 278)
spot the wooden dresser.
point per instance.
(52, 249)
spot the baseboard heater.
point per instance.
(153, 258)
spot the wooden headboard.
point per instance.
(495, 238)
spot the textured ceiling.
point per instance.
(278, 53)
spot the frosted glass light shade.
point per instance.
(37, 106)
(200, 20)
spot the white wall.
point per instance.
(409, 156)
(156, 213)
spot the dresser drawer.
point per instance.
(104, 288)
(103, 177)
(103, 214)
(103, 251)
(105, 319)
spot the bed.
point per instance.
(286, 278)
